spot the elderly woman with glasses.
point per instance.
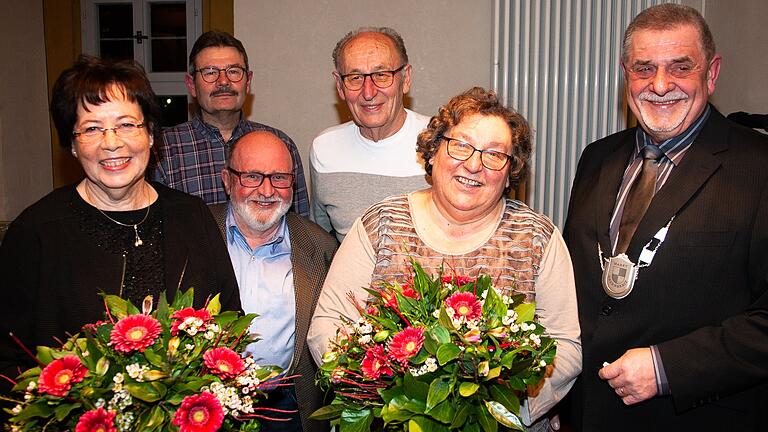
(475, 149)
(112, 232)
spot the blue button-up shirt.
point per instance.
(265, 277)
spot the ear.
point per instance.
(713, 72)
(74, 152)
(151, 141)
(339, 85)
(189, 81)
(227, 181)
(248, 83)
(407, 78)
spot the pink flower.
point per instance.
(375, 363)
(408, 291)
(97, 420)
(465, 304)
(406, 344)
(57, 378)
(135, 333)
(190, 316)
(199, 413)
(224, 362)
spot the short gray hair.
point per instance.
(666, 17)
(397, 40)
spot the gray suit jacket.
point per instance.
(312, 250)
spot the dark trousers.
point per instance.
(283, 398)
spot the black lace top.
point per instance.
(143, 265)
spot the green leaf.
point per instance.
(444, 320)
(506, 396)
(102, 366)
(406, 403)
(148, 391)
(184, 299)
(467, 389)
(62, 411)
(461, 416)
(493, 373)
(504, 416)
(440, 334)
(120, 308)
(214, 305)
(154, 358)
(156, 418)
(438, 391)
(494, 308)
(395, 411)
(423, 424)
(486, 420)
(391, 393)
(525, 312)
(415, 388)
(444, 412)
(356, 420)
(446, 353)
(328, 412)
(45, 354)
(39, 408)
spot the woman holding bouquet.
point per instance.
(113, 231)
(476, 150)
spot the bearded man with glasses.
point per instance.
(193, 153)
(378, 147)
(280, 261)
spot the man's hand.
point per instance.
(632, 376)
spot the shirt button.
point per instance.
(607, 309)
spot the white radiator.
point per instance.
(557, 62)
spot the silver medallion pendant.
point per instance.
(619, 276)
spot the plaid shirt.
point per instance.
(194, 154)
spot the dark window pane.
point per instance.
(115, 30)
(175, 110)
(169, 55)
(116, 49)
(115, 21)
(168, 24)
(168, 20)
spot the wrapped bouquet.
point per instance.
(168, 369)
(441, 353)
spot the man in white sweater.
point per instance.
(361, 162)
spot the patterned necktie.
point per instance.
(639, 197)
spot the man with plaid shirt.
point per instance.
(194, 153)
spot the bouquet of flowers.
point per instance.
(168, 369)
(441, 353)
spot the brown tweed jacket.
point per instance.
(312, 250)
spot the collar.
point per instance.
(276, 245)
(210, 130)
(674, 147)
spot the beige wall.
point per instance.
(25, 154)
(289, 45)
(740, 29)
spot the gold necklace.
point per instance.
(138, 242)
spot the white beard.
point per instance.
(261, 220)
(660, 123)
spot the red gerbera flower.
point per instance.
(190, 316)
(465, 304)
(57, 378)
(199, 413)
(376, 363)
(135, 333)
(406, 344)
(97, 420)
(224, 362)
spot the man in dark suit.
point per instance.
(280, 261)
(684, 345)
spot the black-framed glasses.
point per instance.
(381, 79)
(253, 179)
(93, 134)
(211, 74)
(461, 150)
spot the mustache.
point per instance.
(224, 91)
(669, 97)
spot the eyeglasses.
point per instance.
(211, 74)
(254, 179)
(678, 69)
(381, 79)
(93, 134)
(460, 150)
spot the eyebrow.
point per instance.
(376, 68)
